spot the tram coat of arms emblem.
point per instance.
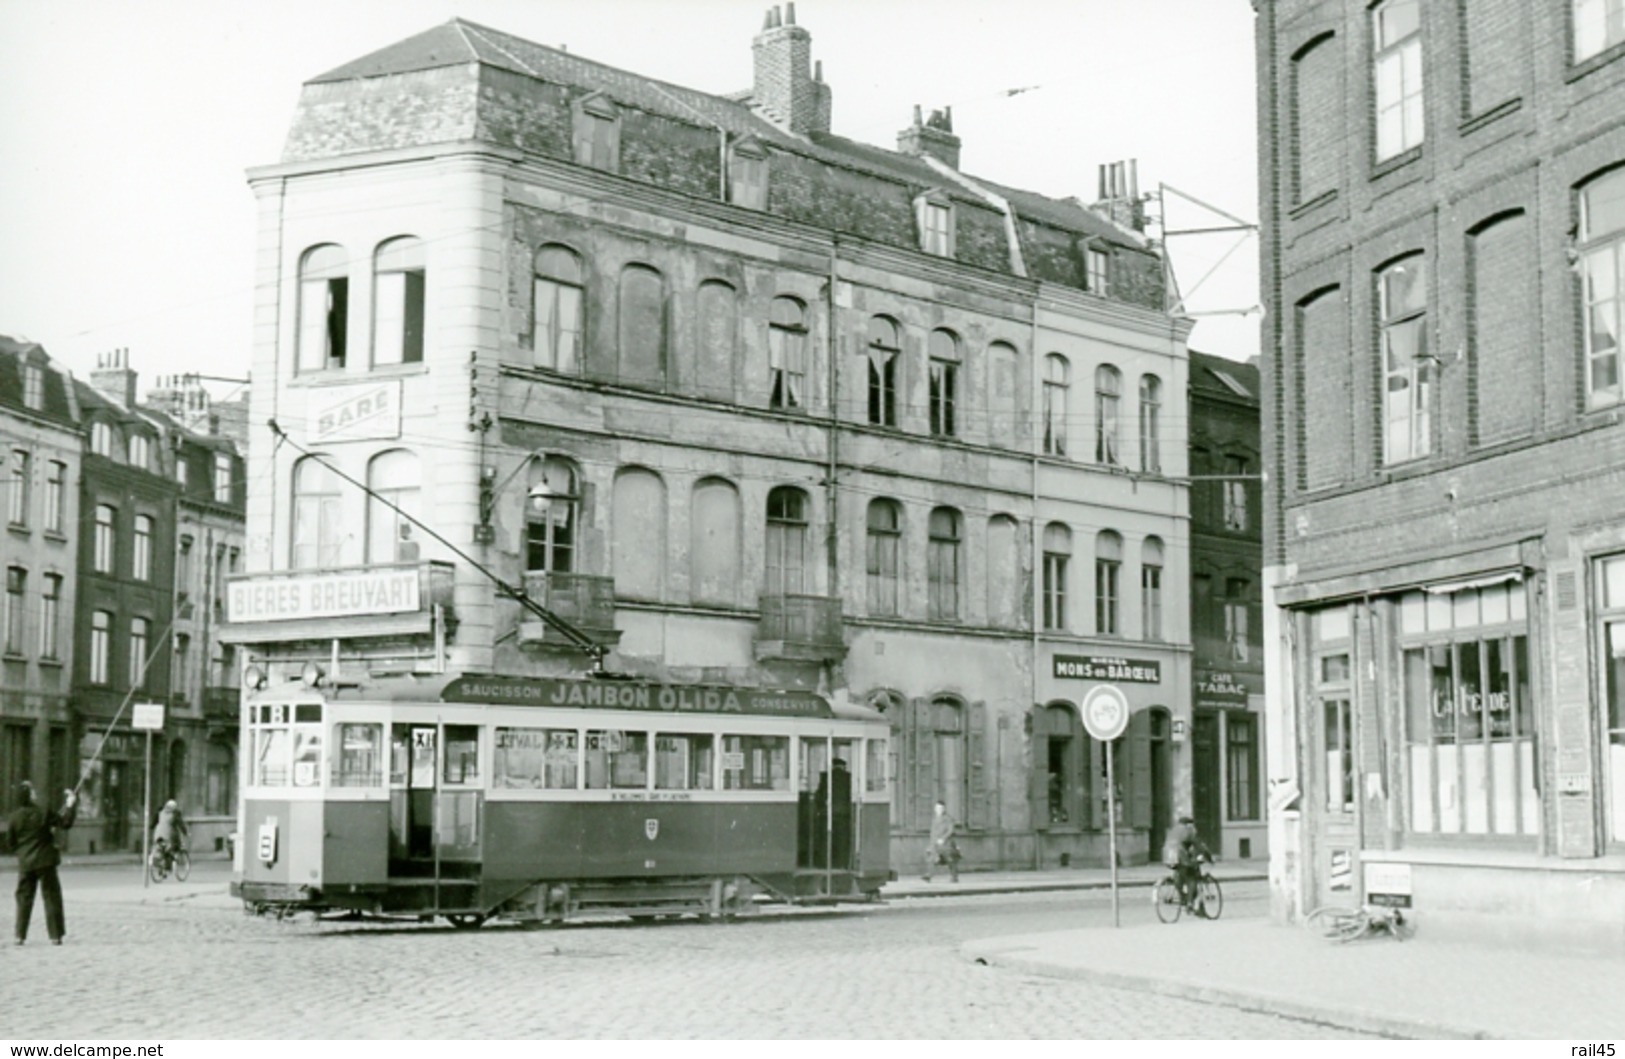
(651, 829)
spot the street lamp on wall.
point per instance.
(539, 498)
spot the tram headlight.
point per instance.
(310, 675)
(253, 677)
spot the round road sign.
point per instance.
(1105, 712)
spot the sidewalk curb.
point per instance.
(973, 890)
(988, 954)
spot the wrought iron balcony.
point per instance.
(800, 628)
(586, 601)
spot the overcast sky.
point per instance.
(126, 128)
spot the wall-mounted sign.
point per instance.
(147, 717)
(357, 413)
(295, 596)
(1387, 884)
(1219, 690)
(1114, 668)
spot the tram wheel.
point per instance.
(466, 921)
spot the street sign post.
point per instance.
(147, 717)
(1105, 715)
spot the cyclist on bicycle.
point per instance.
(169, 836)
(1192, 852)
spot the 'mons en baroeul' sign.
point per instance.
(1114, 668)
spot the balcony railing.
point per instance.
(800, 628)
(586, 601)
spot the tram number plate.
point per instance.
(423, 738)
(734, 762)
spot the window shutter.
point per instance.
(1038, 774)
(1571, 712)
(979, 809)
(1137, 784)
(922, 773)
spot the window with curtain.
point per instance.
(1407, 367)
(786, 542)
(558, 306)
(885, 349)
(1150, 424)
(1108, 398)
(943, 384)
(883, 545)
(1108, 573)
(787, 353)
(944, 532)
(1151, 559)
(1057, 556)
(318, 536)
(1057, 388)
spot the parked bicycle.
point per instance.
(1203, 898)
(1347, 924)
(164, 861)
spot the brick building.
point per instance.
(1442, 388)
(1227, 644)
(816, 414)
(41, 442)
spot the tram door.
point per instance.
(411, 798)
(827, 835)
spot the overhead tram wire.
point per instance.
(586, 644)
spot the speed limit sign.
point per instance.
(1105, 712)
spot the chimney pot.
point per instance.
(790, 14)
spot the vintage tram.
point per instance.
(471, 797)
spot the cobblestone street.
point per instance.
(888, 972)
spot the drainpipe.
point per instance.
(832, 490)
(1035, 603)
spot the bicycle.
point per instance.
(1205, 899)
(1343, 925)
(164, 860)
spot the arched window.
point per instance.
(1108, 575)
(945, 531)
(106, 538)
(550, 534)
(1004, 576)
(948, 738)
(943, 383)
(1602, 265)
(787, 353)
(717, 325)
(324, 308)
(398, 299)
(140, 644)
(1057, 390)
(1003, 404)
(317, 533)
(558, 307)
(885, 352)
(140, 451)
(786, 542)
(1150, 424)
(714, 542)
(1151, 587)
(141, 556)
(101, 438)
(1057, 557)
(394, 479)
(1060, 749)
(1108, 395)
(1396, 75)
(638, 531)
(883, 554)
(642, 344)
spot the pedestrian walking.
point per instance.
(33, 839)
(942, 849)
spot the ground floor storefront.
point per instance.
(1458, 737)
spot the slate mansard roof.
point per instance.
(462, 81)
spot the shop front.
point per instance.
(111, 778)
(1072, 807)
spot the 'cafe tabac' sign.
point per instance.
(1216, 689)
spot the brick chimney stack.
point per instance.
(787, 89)
(1120, 194)
(113, 378)
(935, 137)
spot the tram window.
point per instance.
(271, 757)
(307, 755)
(534, 759)
(400, 754)
(755, 762)
(617, 759)
(683, 762)
(874, 771)
(308, 713)
(360, 762)
(462, 762)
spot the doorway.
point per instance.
(1162, 783)
(115, 806)
(828, 816)
(1205, 777)
(411, 799)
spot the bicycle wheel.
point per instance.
(1334, 924)
(1165, 895)
(1209, 898)
(157, 869)
(183, 865)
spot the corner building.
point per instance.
(1445, 542)
(814, 415)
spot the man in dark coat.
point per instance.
(33, 839)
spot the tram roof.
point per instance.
(600, 693)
